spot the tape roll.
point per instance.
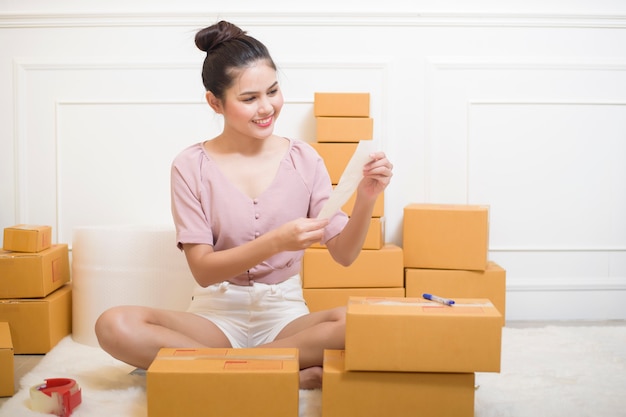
(58, 396)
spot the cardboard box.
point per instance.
(30, 275)
(375, 238)
(38, 324)
(379, 206)
(7, 373)
(27, 238)
(224, 383)
(344, 129)
(446, 236)
(380, 268)
(490, 284)
(416, 335)
(318, 299)
(336, 157)
(341, 104)
(395, 394)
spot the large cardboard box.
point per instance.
(318, 299)
(450, 283)
(336, 157)
(344, 129)
(416, 335)
(446, 236)
(7, 373)
(27, 238)
(223, 383)
(379, 205)
(375, 238)
(341, 104)
(30, 275)
(394, 394)
(381, 268)
(38, 324)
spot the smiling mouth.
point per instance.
(264, 122)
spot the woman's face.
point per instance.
(253, 103)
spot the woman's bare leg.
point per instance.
(311, 334)
(135, 334)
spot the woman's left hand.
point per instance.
(376, 175)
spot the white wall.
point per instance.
(519, 105)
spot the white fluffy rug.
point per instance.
(549, 371)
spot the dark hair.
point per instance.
(228, 49)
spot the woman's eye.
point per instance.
(273, 92)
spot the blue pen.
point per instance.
(441, 300)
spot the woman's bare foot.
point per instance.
(311, 378)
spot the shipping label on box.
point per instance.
(211, 382)
(30, 275)
(373, 268)
(341, 104)
(450, 283)
(7, 375)
(38, 324)
(27, 238)
(417, 335)
(446, 236)
(397, 394)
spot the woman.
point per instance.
(245, 204)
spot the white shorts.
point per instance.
(251, 315)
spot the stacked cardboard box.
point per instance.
(343, 119)
(35, 296)
(7, 386)
(446, 253)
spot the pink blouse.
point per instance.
(208, 209)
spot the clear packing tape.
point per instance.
(58, 396)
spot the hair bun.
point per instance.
(211, 37)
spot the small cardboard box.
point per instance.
(38, 324)
(449, 283)
(379, 206)
(341, 104)
(318, 299)
(344, 129)
(381, 268)
(375, 238)
(209, 382)
(336, 157)
(395, 394)
(416, 335)
(7, 373)
(27, 238)
(446, 236)
(30, 275)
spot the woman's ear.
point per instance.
(214, 102)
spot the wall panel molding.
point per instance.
(323, 18)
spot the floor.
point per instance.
(24, 363)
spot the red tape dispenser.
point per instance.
(58, 396)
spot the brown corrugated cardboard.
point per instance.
(27, 238)
(318, 299)
(336, 157)
(38, 324)
(381, 268)
(394, 394)
(446, 236)
(7, 375)
(375, 238)
(341, 104)
(416, 335)
(30, 275)
(223, 383)
(379, 206)
(451, 283)
(344, 129)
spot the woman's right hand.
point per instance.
(300, 233)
